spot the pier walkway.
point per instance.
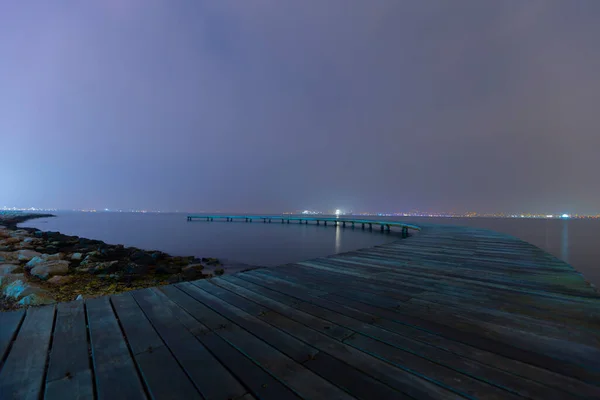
(343, 222)
(448, 313)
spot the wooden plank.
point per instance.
(9, 325)
(540, 358)
(246, 370)
(261, 383)
(300, 379)
(69, 373)
(505, 372)
(209, 376)
(114, 369)
(446, 329)
(205, 319)
(350, 379)
(400, 378)
(164, 377)
(22, 375)
(140, 334)
(321, 325)
(504, 298)
(441, 356)
(78, 386)
(293, 348)
(161, 373)
(548, 328)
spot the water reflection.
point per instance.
(338, 239)
(564, 242)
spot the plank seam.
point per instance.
(12, 340)
(89, 348)
(51, 342)
(137, 367)
(166, 345)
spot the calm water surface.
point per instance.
(574, 241)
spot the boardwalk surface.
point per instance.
(447, 313)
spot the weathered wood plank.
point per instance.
(262, 384)
(445, 327)
(398, 378)
(78, 386)
(296, 376)
(209, 376)
(293, 348)
(22, 375)
(440, 354)
(163, 376)
(141, 336)
(114, 369)
(321, 325)
(9, 324)
(69, 373)
(244, 368)
(161, 373)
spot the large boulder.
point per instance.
(27, 255)
(37, 298)
(50, 268)
(35, 261)
(25, 293)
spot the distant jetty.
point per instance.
(343, 222)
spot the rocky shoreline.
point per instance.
(39, 267)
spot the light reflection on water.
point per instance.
(564, 245)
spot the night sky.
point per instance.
(285, 105)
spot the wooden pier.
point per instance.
(450, 313)
(364, 223)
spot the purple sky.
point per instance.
(275, 106)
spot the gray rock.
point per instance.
(79, 297)
(38, 298)
(50, 268)
(34, 262)
(27, 255)
(76, 256)
(58, 280)
(53, 257)
(19, 288)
